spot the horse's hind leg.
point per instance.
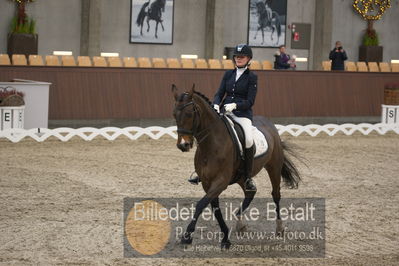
(271, 36)
(249, 196)
(275, 178)
(223, 227)
(256, 34)
(163, 29)
(148, 24)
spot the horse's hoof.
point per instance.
(279, 227)
(241, 226)
(225, 245)
(186, 239)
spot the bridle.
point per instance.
(196, 118)
(194, 128)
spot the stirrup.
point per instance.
(250, 185)
(194, 180)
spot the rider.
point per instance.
(158, 10)
(237, 94)
(268, 9)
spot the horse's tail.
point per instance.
(142, 14)
(289, 171)
(278, 23)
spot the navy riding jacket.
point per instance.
(242, 92)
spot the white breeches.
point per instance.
(247, 127)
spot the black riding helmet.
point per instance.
(244, 50)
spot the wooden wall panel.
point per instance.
(122, 93)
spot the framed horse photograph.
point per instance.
(267, 23)
(151, 21)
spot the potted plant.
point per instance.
(11, 97)
(391, 94)
(22, 38)
(370, 50)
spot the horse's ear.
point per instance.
(191, 92)
(175, 92)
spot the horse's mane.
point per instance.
(203, 97)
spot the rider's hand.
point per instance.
(216, 107)
(230, 107)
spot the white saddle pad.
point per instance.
(259, 140)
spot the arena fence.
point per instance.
(134, 133)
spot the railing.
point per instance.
(134, 133)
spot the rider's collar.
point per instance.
(242, 69)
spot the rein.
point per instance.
(193, 131)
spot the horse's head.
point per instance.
(186, 116)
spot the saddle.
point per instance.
(237, 135)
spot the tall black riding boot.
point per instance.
(249, 161)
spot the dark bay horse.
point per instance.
(267, 19)
(154, 12)
(216, 161)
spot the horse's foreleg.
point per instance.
(223, 227)
(187, 237)
(263, 36)
(249, 196)
(272, 33)
(148, 24)
(156, 30)
(275, 178)
(211, 194)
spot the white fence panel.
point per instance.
(134, 133)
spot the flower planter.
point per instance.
(370, 53)
(391, 95)
(22, 43)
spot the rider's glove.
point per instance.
(216, 107)
(230, 107)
